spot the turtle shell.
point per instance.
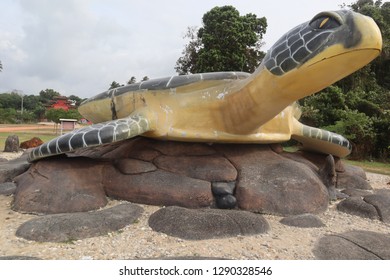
(171, 83)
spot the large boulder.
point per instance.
(208, 168)
(11, 144)
(357, 206)
(7, 188)
(158, 188)
(374, 206)
(60, 186)
(271, 183)
(203, 224)
(353, 245)
(75, 226)
(257, 178)
(10, 169)
(381, 201)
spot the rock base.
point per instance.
(255, 178)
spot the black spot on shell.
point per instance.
(288, 65)
(106, 134)
(91, 138)
(77, 141)
(301, 54)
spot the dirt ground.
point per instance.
(15, 128)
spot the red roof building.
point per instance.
(61, 102)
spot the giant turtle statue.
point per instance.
(236, 107)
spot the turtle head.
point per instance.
(322, 51)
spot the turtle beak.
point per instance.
(354, 57)
(343, 60)
(371, 34)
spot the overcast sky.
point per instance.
(80, 46)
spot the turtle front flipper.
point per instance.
(322, 141)
(94, 135)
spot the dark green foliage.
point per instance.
(33, 107)
(323, 108)
(75, 99)
(55, 115)
(358, 106)
(10, 100)
(47, 95)
(132, 80)
(115, 84)
(226, 42)
(358, 128)
(8, 115)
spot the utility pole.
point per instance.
(21, 109)
(20, 93)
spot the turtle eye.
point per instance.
(324, 22)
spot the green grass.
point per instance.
(24, 136)
(368, 166)
(371, 166)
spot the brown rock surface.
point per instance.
(12, 168)
(11, 144)
(354, 245)
(130, 166)
(171, 173)
(208, 168)
(60, 186)
(270, 183)
(207, 223)
(158, 188)
(75, 226)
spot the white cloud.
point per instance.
(80, 47)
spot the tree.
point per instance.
(77, 100)
(1, 66)
(115, 84)
(146, 78)
(47, 95)
(227, 41)
(10, 100)
(187, 63)
(55, 115)
(132, 80)
(8, 115)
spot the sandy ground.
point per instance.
(14, 128)
(138, 241)
(47, 126)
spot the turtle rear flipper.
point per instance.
(322, 141)
(94, 135)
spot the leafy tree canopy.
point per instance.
(33, 106)
(55, 115)
(47, 95)
(132, 80)
(114, 84)
(227, 41)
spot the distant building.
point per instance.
(61, 102)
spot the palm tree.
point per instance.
(1, 66)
